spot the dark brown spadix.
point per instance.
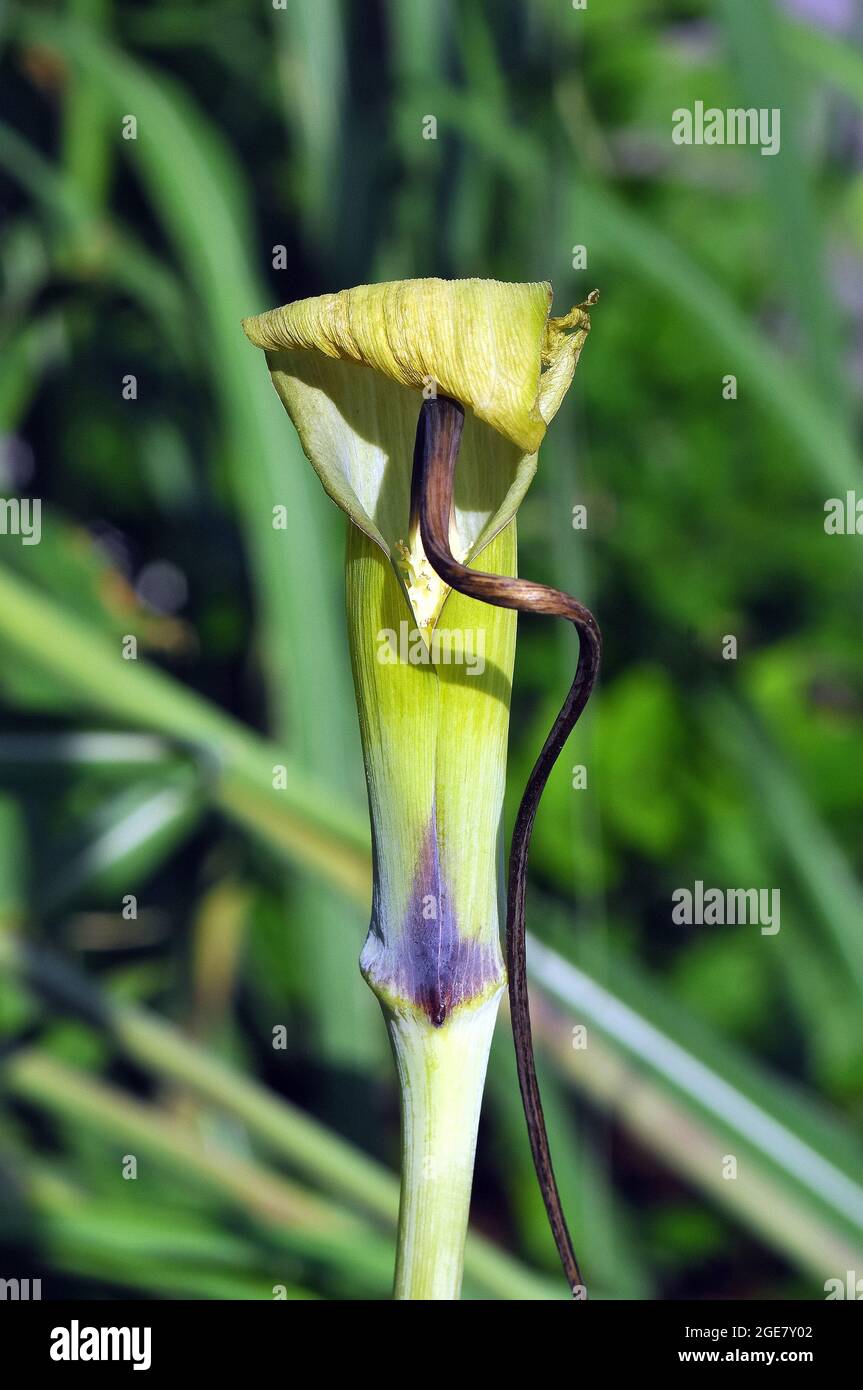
(437, 446)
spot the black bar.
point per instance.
(227, 1339)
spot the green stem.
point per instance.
(441, 1078)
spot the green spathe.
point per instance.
(352, 368)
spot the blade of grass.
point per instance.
(697, 1152)
(197, 191)
(834, 59)
(326, 1159)
(238, 766)
(35, 1076)
(301, 1220)
(128, 836)
(110, 754)
(783, 391)
(158, 1250)
(90, 244)
(13, 861)
(769, 76)
(812, 853)
(823, 1193)
(195, 187)
(87, 153)
(310, 63)
(595, 1211)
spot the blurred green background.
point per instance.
(179, 938)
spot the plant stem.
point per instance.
(441, 1078)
